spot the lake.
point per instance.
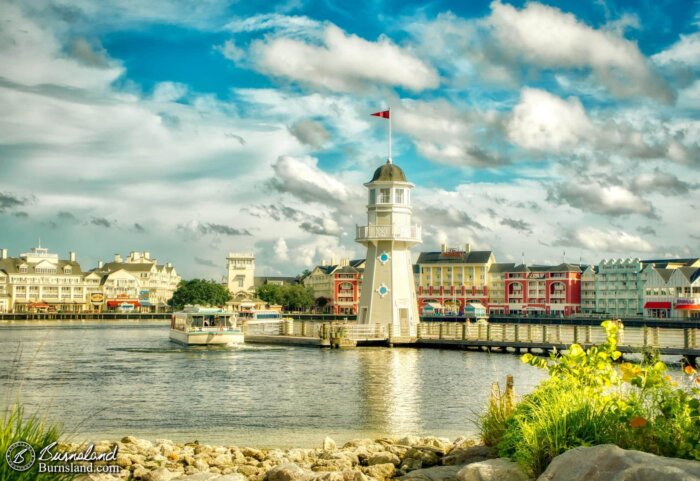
(106, 380)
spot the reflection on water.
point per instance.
(108, 380)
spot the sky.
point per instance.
(541, 131)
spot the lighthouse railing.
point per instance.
(402, 232)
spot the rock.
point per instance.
(610, 462)
(409, 440)
(97, 477)
(470, 454)
(329, 444)
(201, 465)
(383, 458)
(247, 470)
(160, 474)
(286, 472)
(253, 453)
(380, 471)
(493, 470)
(422, 457)
(139, 472)
(199, 477)
(436, 473)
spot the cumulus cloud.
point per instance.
(454, 217)
(542, 121)
(600, 241)
(310, 132)
(230, 51)
(302, 178)
(67, 216)
(685, 51)
(517, 224)
(169, 91)
(101, 222)
(608, 200)
(342, 62)
(545, 36)
(321, 226)
(197, 228)
(9, 201)
(281, 250)
(662, 182)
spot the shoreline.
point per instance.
(356, 460)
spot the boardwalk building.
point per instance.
(451, 279)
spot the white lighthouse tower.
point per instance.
(388, 294)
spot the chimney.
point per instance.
(169, 264)
(117, 258)
(3, 254)
(136, 255)
(467, 247)
(100, 264)
(443, 247)
(323, 262)
(147, 255)
(345, 262)
(71, 256)
(332, 261)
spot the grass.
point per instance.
(588, 399)
(16, 426)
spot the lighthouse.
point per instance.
(388, 296)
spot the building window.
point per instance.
(399, 196)
(372, 196)
(240, 282)
(384, 196)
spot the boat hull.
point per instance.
(206, 337)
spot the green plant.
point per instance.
(32, 430)
(492, 424)
(589, 400)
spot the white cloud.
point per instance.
(547, 37)
(229, 50)
(302, 178)
(542, 121)
(281, 250)
(310, 132)
(169, 91)
(343, 62)
(686, 50)
(288, 25)
(599, 241)
(610, 200)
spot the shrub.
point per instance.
(588, 400)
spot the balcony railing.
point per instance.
(408, 233)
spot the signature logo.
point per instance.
(20, 456)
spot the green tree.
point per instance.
(292, 297)
(200, 291)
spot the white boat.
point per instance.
(200, 326)
(255, 316)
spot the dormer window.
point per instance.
(67, 270)
(23, 269)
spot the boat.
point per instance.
(259, 316)
(201, 326)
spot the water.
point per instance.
(107, 380)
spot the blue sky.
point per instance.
(191, 129)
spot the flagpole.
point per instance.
(390, 161)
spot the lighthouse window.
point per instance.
(372, 196)
(384, 196)
(399, 196)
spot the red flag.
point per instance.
(384, 115)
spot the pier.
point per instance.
(679, 338)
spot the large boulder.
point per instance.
(436, 473)
(469, 454)
(286, 472)
(492, 470)
(608, 462)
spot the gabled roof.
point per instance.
(663, 263)
(460, 257)
(11, 266)
(690, 273)
(128, 266)
(498, 267)
(564, 267)
(664, 273)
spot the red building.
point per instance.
(549, 290)
(337, 286)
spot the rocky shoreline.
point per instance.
(409, 458)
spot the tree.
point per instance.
(200, 291)
(292, 297)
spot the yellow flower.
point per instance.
(689, 370)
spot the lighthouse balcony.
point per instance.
(407, 233)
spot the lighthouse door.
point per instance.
(403, 320)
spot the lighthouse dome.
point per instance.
(389, 172)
